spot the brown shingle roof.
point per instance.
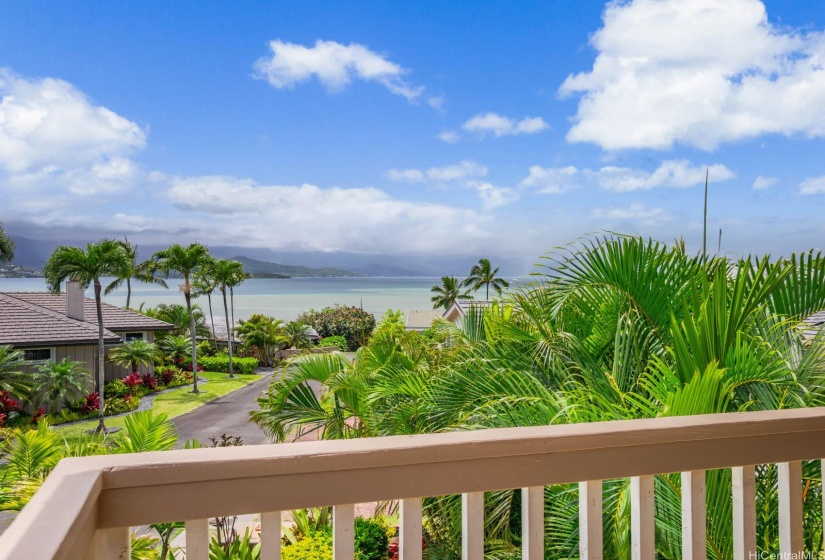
(25, 324)
(114, 318)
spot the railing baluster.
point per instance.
(111, 544)
(532, 523)
(197, 539)
(343, 532)
(271, 535)
(642, 522)
(591, 545)
(472, 526)
(410, 537)
(790, 509)
(744, 512)
(694, 516)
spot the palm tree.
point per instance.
(296, 334)
(178, 316)
(236, 280)
(175, 347)
(134, 353)
(261, 333)
(228, 273)
(205, 284)
(142, 272)
(483, 274)
(6, 246)
(186, 261)
(448, 292)
(87, 267)
(66, 380)
(12, 379)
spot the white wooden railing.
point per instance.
(86, 506)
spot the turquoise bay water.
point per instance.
(282, 298)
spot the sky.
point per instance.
(420, 128)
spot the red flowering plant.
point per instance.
(9, 408)
(90, 404)
(149, 381)
(133, 381)
(166, 376)
(41, 412)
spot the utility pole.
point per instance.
(719, 248)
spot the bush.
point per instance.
(119, 406)
(180, 378)
(150, 382)
(334, 342)
(315, 546)
(9, 408)
(89, 405)
(371, 540)
(65, 416)
(166, 376)
(352, 323)
(116, 388)
(133, 381)
(221, 363)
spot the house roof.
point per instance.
(813, 324)
(114, 318)
(461, 307)
(29, 319)
(420, 319)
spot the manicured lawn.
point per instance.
(175, 402)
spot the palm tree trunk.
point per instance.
(232, 308)
(101, 350)
(128, 291)
(228, 332)
(193, 334)
(488, 291)
(212, 320)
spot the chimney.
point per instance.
(75, 299)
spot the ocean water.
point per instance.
(283, 298)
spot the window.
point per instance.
(130, 336)
(37, 355)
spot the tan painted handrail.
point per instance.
(85, 495)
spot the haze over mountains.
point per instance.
(33, 253)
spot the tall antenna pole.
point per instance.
(719, 248)
(705, 230)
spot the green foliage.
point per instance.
(483, 274)
(237, 549)
(307, 522)
(371, 540)
(334, 342)
(261, 334)
(12, 378)
(120, 405)
(146, 431)
(6, 246)
(391, 325)
(176, 348)
(448, 292)
(116, 388)
(133, 354)
(178, 316)
(221, 363)
(353, 323)
(144, 547)
(66, 380)
(315, 546)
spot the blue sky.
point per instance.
(423, 128)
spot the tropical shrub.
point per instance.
(315, 546)
(119, 406)
(371, 540)
(334, 342)
(353, 323)
(166, 376)
(237, 549)
(91, 403)
(133, 381)
(261, 335)
(181, 378)
(9, 408)
(66, 380)
(220, 363)
(149, 381)
(117, 388)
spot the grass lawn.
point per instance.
(175, 402)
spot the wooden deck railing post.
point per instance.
(271, 535)
(694, 516)
(642, 521)
(472, 526)
(111, 544)
(744, 512)
(343, 532)
(532, 523)
(591, 545)
(790, 509)
(410, 537)
(197, 539)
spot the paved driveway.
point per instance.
(226, 415)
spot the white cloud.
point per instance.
(674, 174)
(764, 182)
(437, 102)
(335, 65)
(456, 172)
(48, 123)
(493, 197)
(448, 136)
(499, 125)
(698, 72)
(307, 217)
(636, 213)
(815, 185)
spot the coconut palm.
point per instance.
(6, 246)
(65, 380)
(178, 316)
(448, 293)
(225, 274)
(205, 284)
(175, 347)
(483, 274)
(12, 378)
(134, 353)
(186, 261)
(87, 267)
(142, 272)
